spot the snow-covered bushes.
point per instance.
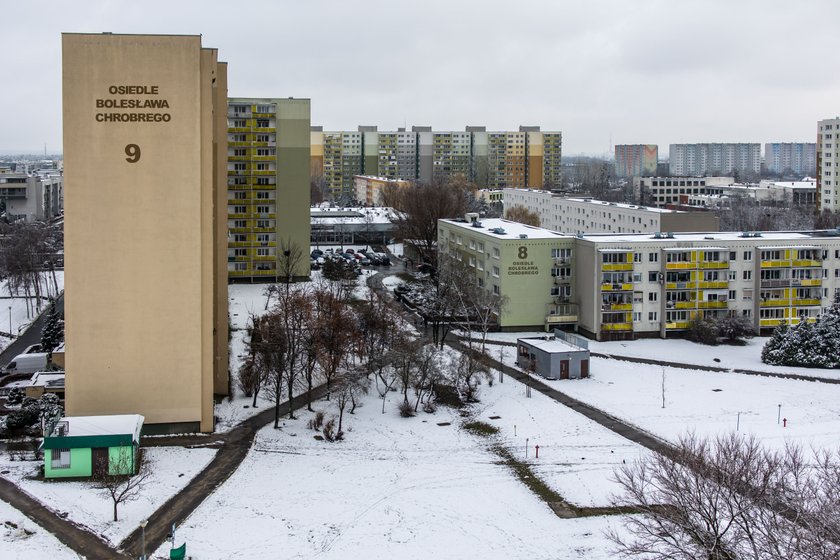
(806, 344)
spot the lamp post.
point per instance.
(143, 536)
(10, 321)
(779, 415)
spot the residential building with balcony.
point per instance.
(369, 190)
(31, 197)
(268, 163)
(661, 191)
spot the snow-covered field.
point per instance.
(16, 542)
(410, 488)
(22, 312)
(173, 468)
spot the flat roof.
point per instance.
(510, 230)
(552, 344)
(696, 237)
(117, 424)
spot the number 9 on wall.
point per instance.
(133, 153)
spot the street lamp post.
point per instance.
(143, 537)
(10, 321)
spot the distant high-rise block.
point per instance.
(828, 164)
(791, 158)
(636, 160)
(698, 160)
(145, 284)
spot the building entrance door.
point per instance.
(99, 461)
(564, 369)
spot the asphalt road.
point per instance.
(30, 336)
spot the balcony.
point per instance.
(612, 267)
(775, 264)
(613, 327)
(807, 263)
(713, 305)
(683, 305)
(806, 282)
(558, 280)
(716, 284)
(781, 302)
(771, 322)
(617, 287)
(680, 265)
(617, 307)
(705, 265)
(677, 325)
(806, 302)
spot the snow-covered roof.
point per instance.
(117, 424)
(510, 230)
(377, 215)
(622, 205)
(46, 380)
(551, 345)
(694, 236)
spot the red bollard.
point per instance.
(784, 422)
(538, 451)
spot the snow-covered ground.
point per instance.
(22, 312)
(22, 539)
(684, 351)
(173, 468)
(408, 488)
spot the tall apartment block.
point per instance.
(528, 158)
(828, 164)
(268, 162)
(636, 160)
(797, 158)
(698, 160)
(145, 267)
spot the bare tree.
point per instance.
(270, 347)
(121, 488)
(349, 387)
(730, 499)
(289, 261)
(427, 373)
(522, 215)
(334, 334)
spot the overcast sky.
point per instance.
(602, 72)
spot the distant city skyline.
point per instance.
(603, 73)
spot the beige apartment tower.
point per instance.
(145, 148)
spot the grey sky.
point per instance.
(640, 71)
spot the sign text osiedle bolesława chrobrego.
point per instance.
(133, 103)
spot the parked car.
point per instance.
(27, 363)
(316, 253)
(348, 250)
(364, 261)
(384, 259)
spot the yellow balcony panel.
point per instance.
(268, 172)
(718, 284)
(618, 307)
(807, 263)
(238, 144)
(775, 303)
(607, 267)
(770, 322)
(238, 129)
(264, 230)
(676, 325)
(713, 264)
(617, 326)
(259, 144)
(238, 273)
(712, 305)
(775, 264)
(262, 115)
(686, 305)
(680, 265)
(808, 282)
(806, 302)
(265, 258)
(233, 244)
(262, 129)
(616, 287)
(237, 216)
(268, 272)
(263, 158)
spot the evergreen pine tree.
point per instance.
(773, 352)
(51, 335)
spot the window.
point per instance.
(637, 257)
(733, 255)
(748, 275)
(496, 290)
(733, 274)
(60, 459)
(637, 316)
(495, 272)
(653, 257)
(262, 252)
(262, 210)
(495, 253)
(637, 277)
(652, 315)
(481, 246)
(240, 109)
(240, 252)
(748, 294)
(240, 152)
(265, 108)
(653, 276)
(263, 195)
(262, 123)
(240, 238)
(240, 266)
(239, 224)
(472, 261)
(240, 195)
(480, 282)
(652, 296)
(733, 294)
(262, 237)
(263, 223)
(747, 255)
(239, 210)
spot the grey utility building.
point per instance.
(552, 357)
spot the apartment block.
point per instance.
(268, 185)
(145, 279)
(636, 160)
(791, 158)
(29, 197)
(828, 165)
(624, 286)
(525, 158)
(369, 190)
(699, 160)
(660, 191)
(588, 215)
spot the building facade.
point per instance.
(587, 215)
(268, 186)
(524, 158)
(145, 267)
(636, 160)
(32, 197)
(699, 160)
(369, 190)
(828, 165)
(661, 191)
(791, 158)
(616, 286)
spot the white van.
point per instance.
(28, 363)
